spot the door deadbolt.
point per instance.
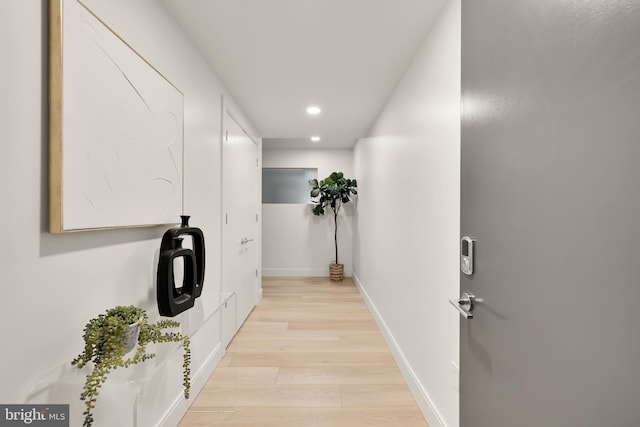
(467, 246)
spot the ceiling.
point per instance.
(276, 57)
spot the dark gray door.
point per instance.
(551, 191)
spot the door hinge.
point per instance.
(226, 219)
(256, 217)
(256, 162)
(256, 272)
(226, 136)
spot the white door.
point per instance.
(240, 209)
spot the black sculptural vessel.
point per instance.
(173, 300)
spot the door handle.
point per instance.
(464, 304)
(245, 240)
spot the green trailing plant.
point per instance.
(332, 192)
(104, 338)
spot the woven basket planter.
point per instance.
(336, 272)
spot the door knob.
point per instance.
(464, 304)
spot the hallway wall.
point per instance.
(295, 242)
(407, 222)
(53, 284)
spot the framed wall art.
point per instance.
(116, 129)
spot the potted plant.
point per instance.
(110, 336)
(333, 191)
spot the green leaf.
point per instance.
(332, 192)
(313, 182)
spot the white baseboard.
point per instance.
(424, 401)
(181, 405)
(299, 272)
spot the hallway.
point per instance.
(309, 355)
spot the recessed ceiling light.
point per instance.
(315, 138)
(313, 110)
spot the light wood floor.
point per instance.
(309, 355)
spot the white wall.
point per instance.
(294, 241)
(53, 284)
(407, 222)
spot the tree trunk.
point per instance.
(335, 233)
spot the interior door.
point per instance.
(551, 194)
(240, 228)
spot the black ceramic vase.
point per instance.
(173, 300)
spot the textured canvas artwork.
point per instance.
(117, 131)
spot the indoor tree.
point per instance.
(332, 192)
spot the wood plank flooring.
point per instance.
(310, 355)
